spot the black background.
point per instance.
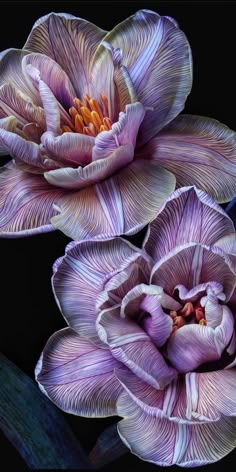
(29, 314)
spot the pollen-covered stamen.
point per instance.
(88, 116)
(190, 313)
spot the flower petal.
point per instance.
(52, 75)
(130, 345)
(70, 41)
(94, 172)
(191, 265)
(124, 131)
(122, 204)
(11, 71)
(193, 345)
(69, 147)
(13, 103)
(199, 151)
(160, 65)
(77, 376)
(18, 147)
(80, 276)
(26, 202)
(9, 124)
(165, 442)
(175, 222)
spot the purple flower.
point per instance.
(89, 118)
(151, 334)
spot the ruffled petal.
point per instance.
(94, 172)
(130, 345)
(123, 132)
(72, 148)
(26, 202)
(193, 345)
(165, 442)
(77, 376)
(193, 264)
(9, 124)
(176, 222)
(199, 151)
(26, 151)
(70, 41)
(159, 65)
(80, 276)
(122, 204)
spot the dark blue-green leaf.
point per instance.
(108, 448)
(35, 427)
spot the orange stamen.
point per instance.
(105, 104)
(92, 129)
(86, 115)
(103, 128)
(107, 122)
(95, 107)
(79, 123)
(96, 120)
(202, 322)
(187, 309)
(66, 129)
(199, 313)
(78, 104)
(87, 131)
(87, 100)
(73, 112)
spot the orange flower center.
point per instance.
(88, 116)
(190, 313)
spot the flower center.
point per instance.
(190, 313)
(88, 116)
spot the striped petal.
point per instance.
(77, 376)
(193, 345)
(176, 222)
(122, 204)
(26, 202)
(165, 442)
(70, 41)
(80, 276)
(191, 265)
(130, 345)
(157, 56)
(18, 147)
(199, 151)
(9, 124)
(72, 148)
(124, 131)
(94, 172)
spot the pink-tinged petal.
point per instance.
(193, 345)
(199, 151)
(20, 148)
(11, 72)
(13, 103)
(199, 290)
(52, 75)
(160, 66)
(33, 132)
(77, 376)
(211, 394)
(121, 283)
(81, 275)
(70, 41)
(149, 299)
(9, 124)
(130, 345)
(94, 172)
(122, 204)
(176, 222)
(165, 442)
(193, 264)
(72, 148)
(26, 202)
(124, 131)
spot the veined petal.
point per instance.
(77, 376)
(124, 131)
(193, 264)
(11, 71)
(53, 75)
(166, 443)
(176, 222)
(81, 275)
(130, 345)
(9, 124)
(26, 202)
(24, 150)
(94, 172)
(122, 204)
(199, 151)
(160, 65)
(69, 147)
(70, 41)
(12, 102)
(193, 345)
